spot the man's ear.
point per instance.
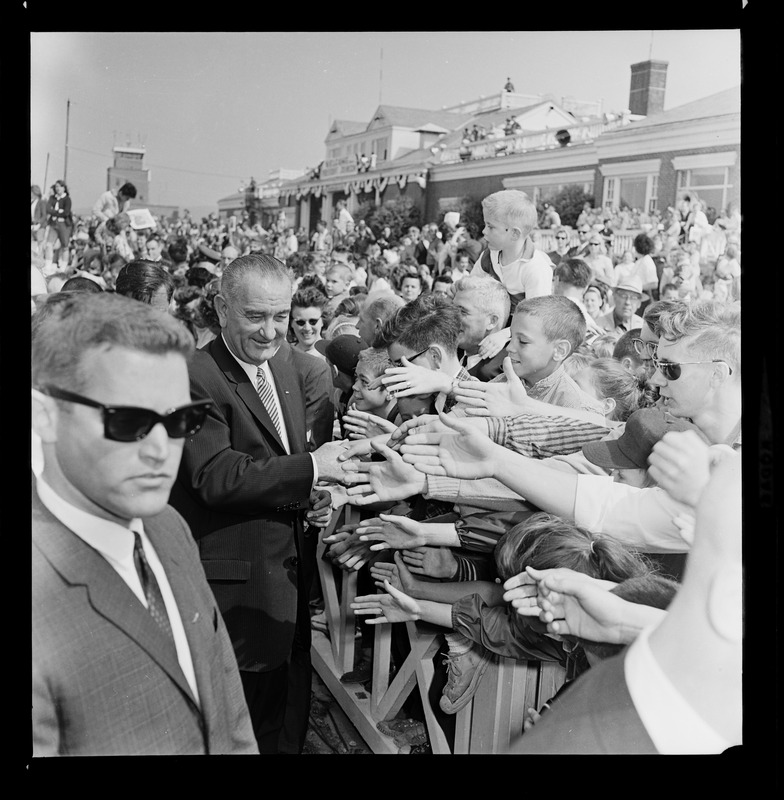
(437, 355)
(608, 406)
(720, 374)
(44, 416)
(221, 308)
(628, 364)
(492, 322)
(561, 349)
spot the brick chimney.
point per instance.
(646, 94)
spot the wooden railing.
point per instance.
(486, 725)
(621, 240)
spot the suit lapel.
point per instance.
(291, 400)
(108, 594)
(245, 389)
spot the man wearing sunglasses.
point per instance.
(581, 249)
(246, 488)
(561, 246)
(130, 653)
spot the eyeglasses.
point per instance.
(303, 322)
(644, 349)
(131, 424)
(672, 369)
(585, 232)
(399, 362)
(560, 237)
(595, 244)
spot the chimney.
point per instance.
(646, 94)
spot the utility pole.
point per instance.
(46, 172)
(380, 75)
(67, 121)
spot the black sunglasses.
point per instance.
(672, 369)
(560, 237)
(303, 322)
(131, 424)
(399, 362)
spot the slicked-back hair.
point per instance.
(265, 266)
(573, 271)
(546, 541)
(141, 279)
(561, 318)
(66, 333)
(513, 207)
(625, 346)
(654, 312)
(712, 326)
(78, 283)
(490, 295)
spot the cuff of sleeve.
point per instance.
(315, 470)
(496, 429)
(439, 487)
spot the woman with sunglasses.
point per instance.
(306, 322)
(597, 259)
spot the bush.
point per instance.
(400, 214)
(569, 203)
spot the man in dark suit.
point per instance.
(484, 309)
(246, 485)
(130, 653)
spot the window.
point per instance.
(653, 200)
(709, 183)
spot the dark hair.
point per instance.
(78, 283)
(178, 251)
(414, 277)
(625, 346)
(141, 279)
(444, 278)
(654, 312)
(650, 589)
(309, 297)
(429, 319)
(546, 541)
(198, 276)
(643, 244)
(127, 190)
(348, 307)
(574, 271)
(311, 280)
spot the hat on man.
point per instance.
(343, 351)
(631, 284)
(633, 447)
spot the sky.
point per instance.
(215, 109)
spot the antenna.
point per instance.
(380, 74)
(650, 49)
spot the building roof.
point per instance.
(715, 105)
(347, 127)
(401, 117)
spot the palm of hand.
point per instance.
(466, 456)
(438, 562)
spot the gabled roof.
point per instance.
(401, 117)
(347, 127)
(715, 105)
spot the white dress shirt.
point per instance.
(673, 725)
(115, 543)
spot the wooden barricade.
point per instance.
(486, 725)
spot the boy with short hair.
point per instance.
(511, 256)
(544, 332)
(338, 278)
(371, 364)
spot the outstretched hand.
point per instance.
(411, 379)
(380, 481)
(391, 532)
(363, 425)
(490, 399)
(464, 452)
(394, 606)
(494, 343)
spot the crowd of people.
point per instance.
(543, 449)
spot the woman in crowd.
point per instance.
(305, 322)
(59, 220)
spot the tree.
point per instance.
(569, 203)
(400, 214)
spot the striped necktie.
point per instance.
(268, 398)
(152, 591)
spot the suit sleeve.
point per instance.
(319, 408)
(229, 465)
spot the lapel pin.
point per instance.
(195, 617)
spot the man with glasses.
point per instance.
(561, 246)
(580, 250)
(246, 487)
(130, 654)
(627, 296)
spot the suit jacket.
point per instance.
(489, 368)
(607, 323)
(595, 716)
(319, 408)
(105, 680)
(243, 496)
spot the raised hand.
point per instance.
(493, 399)
(380, 481)
(462, 453)
(394, 606)
(435, 562)
(494, 343)
(681, 463)
(391, 532)
(419, 424)
(521, 592)
(411, 379)
(363, 425)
